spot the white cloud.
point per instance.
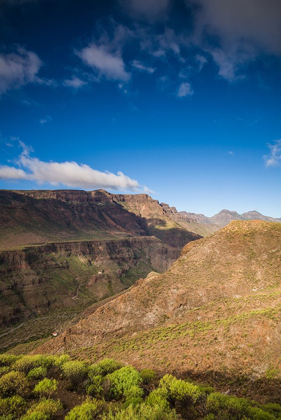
(107, 63)
(185, 89)
(140, 66)
(74, 82)
(18, 69)
(274, 158)
(70, 174)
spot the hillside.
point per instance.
(217, 309)
(35, 217)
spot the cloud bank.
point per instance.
(70, 174)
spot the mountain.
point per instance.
(223, 218)
(36, 217)
(63, 250)
(217, 309)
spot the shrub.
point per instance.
(141, 412)
(158, 397)
(122, 380)
(86, 411)
(148, 376)
(179, 389)
(26, 363)
(59, 361)
(43, 410)
(225, 405)
(37, 373)
(8, 359)
(75, 371)
(46, 387)
(12, 406)
(4, 369)
(13, 383)
(95, 387)
(104, 367)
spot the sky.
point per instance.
(179, 99)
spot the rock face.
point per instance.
(217, 308)
(36, 280)
(35, 217)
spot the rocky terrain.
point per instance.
(217, 309)
(61, 251)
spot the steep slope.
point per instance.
(218, 308)
(34, 217)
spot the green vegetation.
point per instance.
(108, 390)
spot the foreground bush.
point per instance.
(13, 406)
(104, 367)
(75, 372)
(148, 376)
(86, 411)
(8, 359)
(37, 373)
(43, 410)
(141, 412)
(13, 383)
(125, 382)
(46, 387)
(180, 390)
(229, 407)
(26, 363)
(95, 386)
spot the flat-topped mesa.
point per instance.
(74, 196)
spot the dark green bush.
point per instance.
(95, 386)
(13, 406)
(13, 383)
(4, 369)
(148, 376)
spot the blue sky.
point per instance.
(177, 98)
